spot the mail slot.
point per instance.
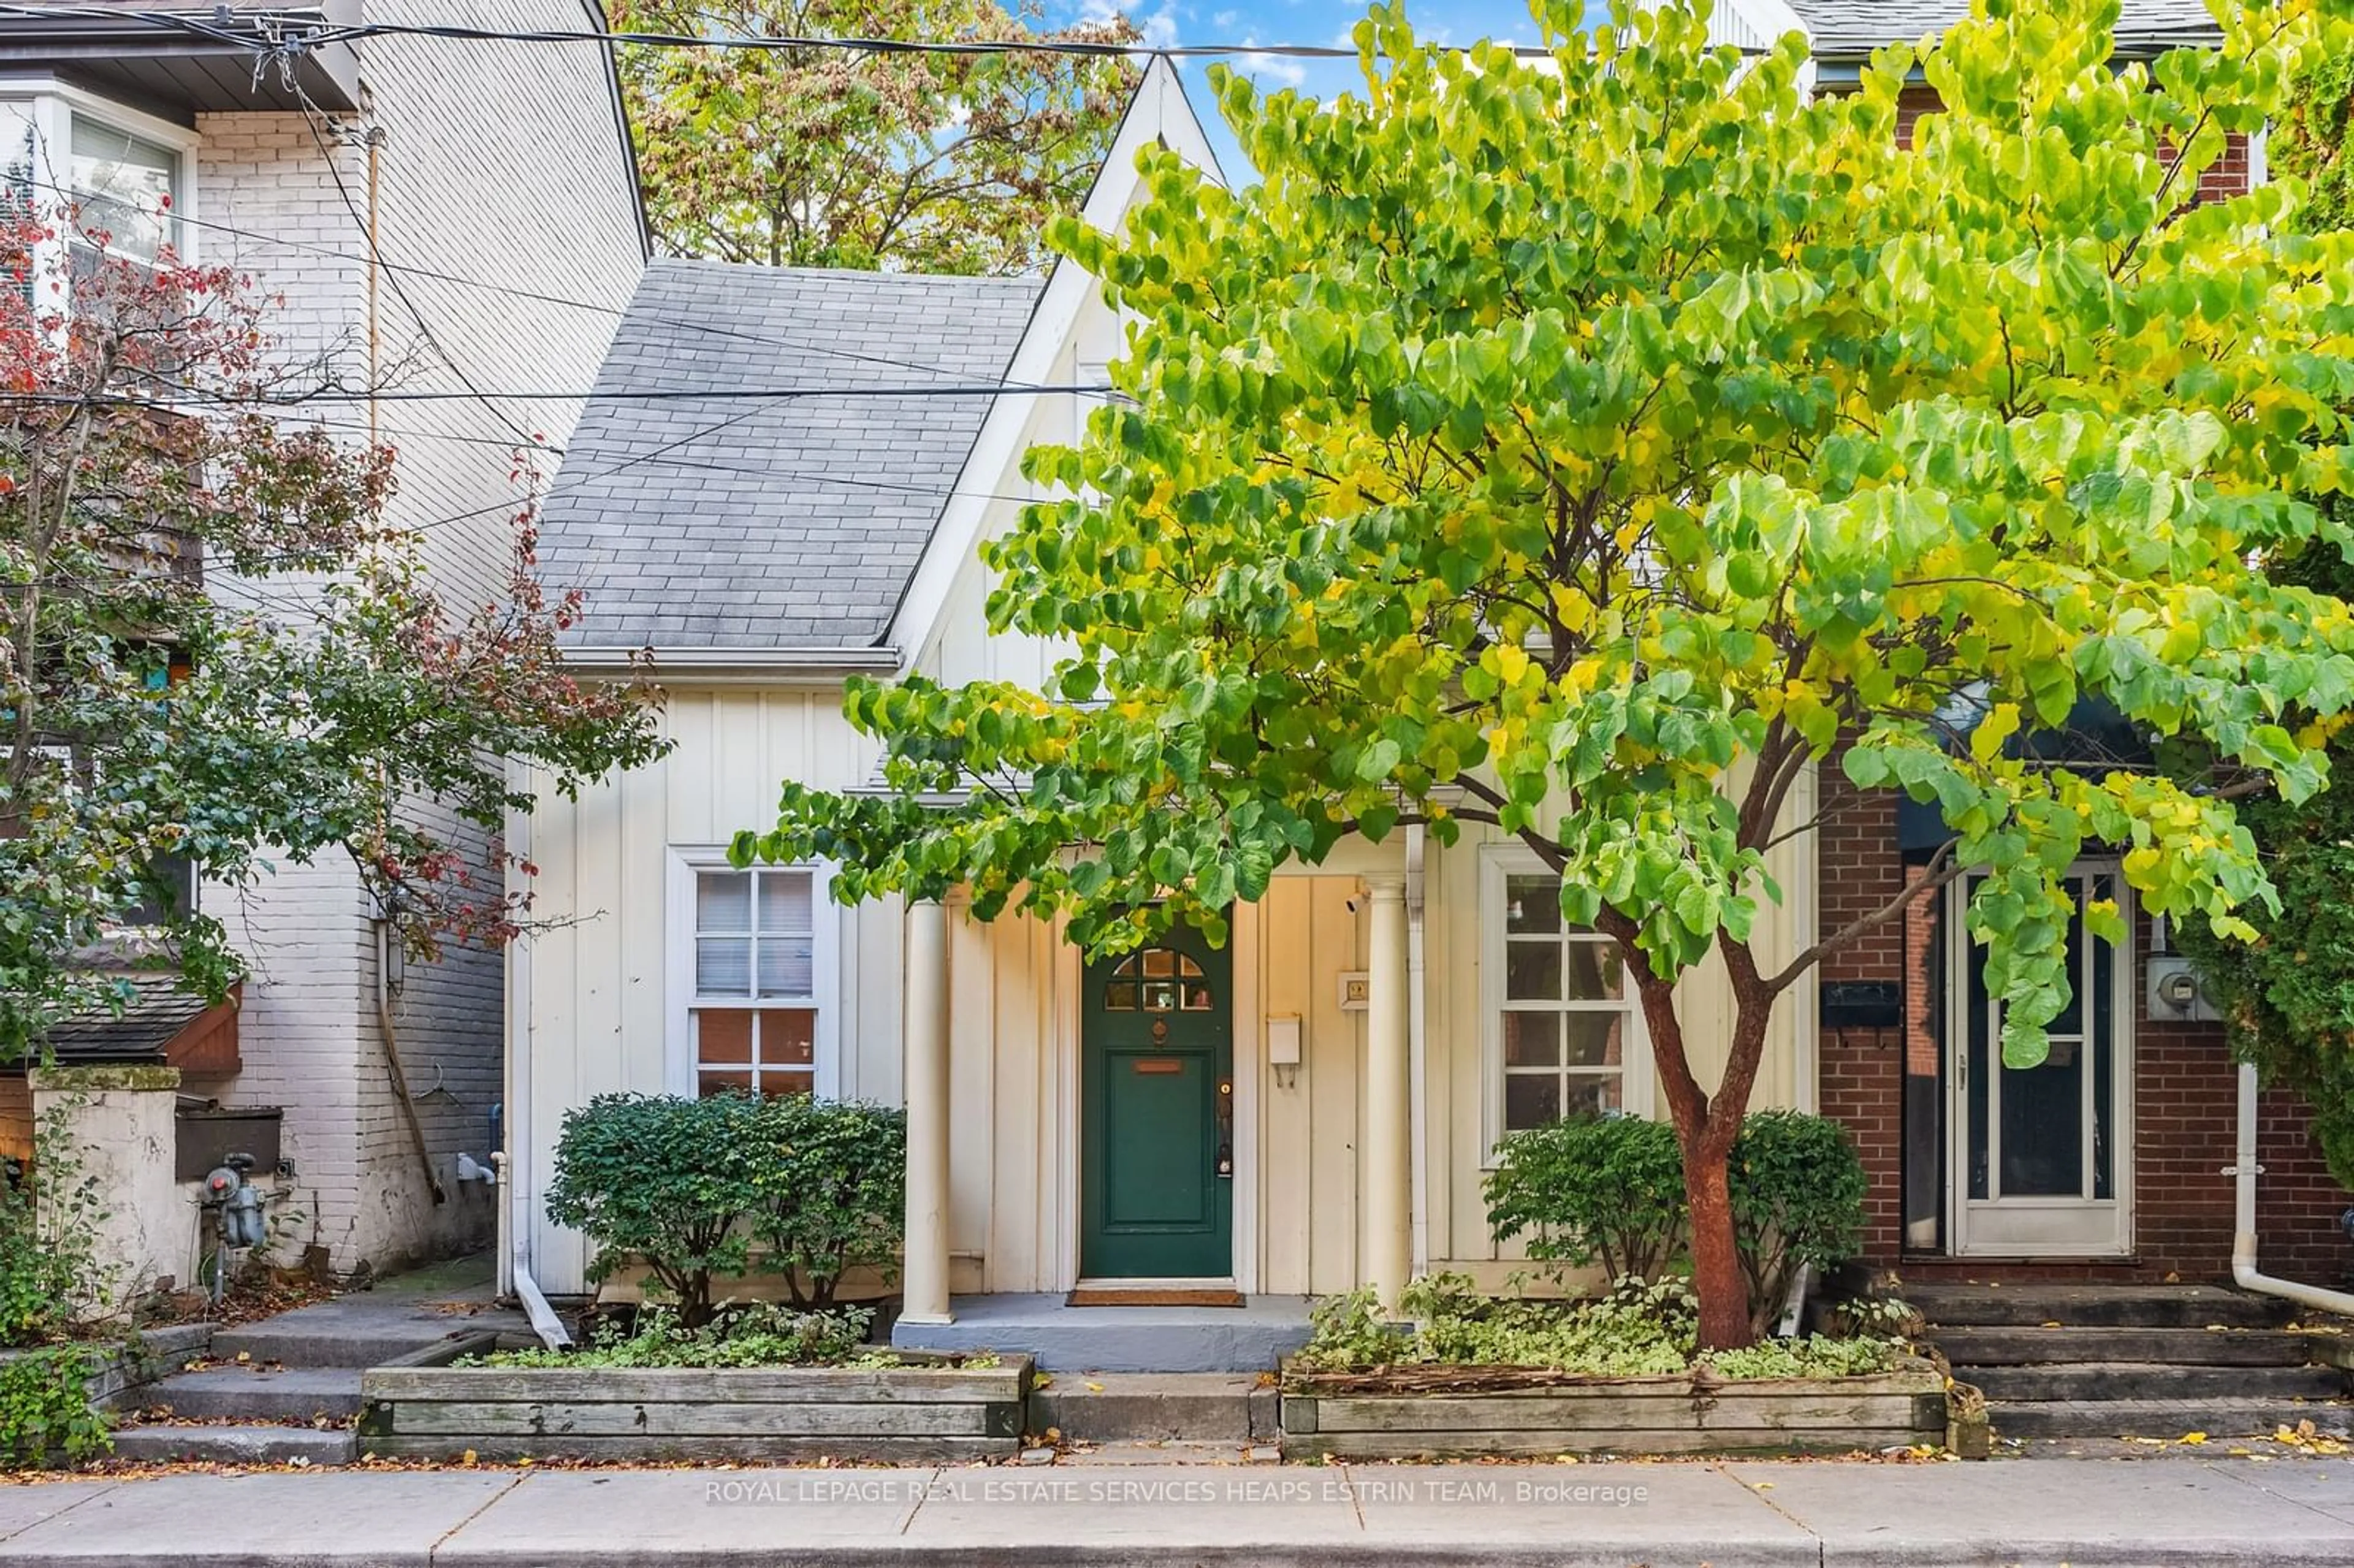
(1160, 1063)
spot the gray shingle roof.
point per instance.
(798, 523)
(1849, 29)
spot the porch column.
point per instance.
(924, 1269)
(1388, 1197)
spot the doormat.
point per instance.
(1145, 1295)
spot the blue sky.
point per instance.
(1317, 22)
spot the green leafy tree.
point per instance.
(1581, 454)
(2287, 996)
(214, 653)
(817, 157)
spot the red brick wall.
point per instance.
(2185, 1097)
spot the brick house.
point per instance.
(2149, 1141)
(500, 182)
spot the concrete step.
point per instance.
(2168, 1418)
(1981, 1347)
(349, 1331)
(167, 1444)
(1154, 1407)
(1251, 1338)
(2096, 1305)
(2145, 1380)
(235, 1392)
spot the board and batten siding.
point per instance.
(596, 979)
(600, 1017)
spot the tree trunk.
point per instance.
(1705, 1128)
(1723, 1290)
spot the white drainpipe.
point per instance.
(2243, 1239)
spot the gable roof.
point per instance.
(722, 522)
(1851, 29)
(741, 538)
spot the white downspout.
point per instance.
(2243, 1237)
(1417, 1049)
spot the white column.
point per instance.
(924, 1271)
(1388, 1197)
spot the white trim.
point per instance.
(733, 666)
(1497, 861)
(54, 104)
(679, 998)
(1249, 1025)
(1159, 112)
(516, 1213)
(1070, 988)
(2044, 1226)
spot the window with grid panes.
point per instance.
(1568, 1013)
(752, 1025)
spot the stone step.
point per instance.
(1981, 1347)
(299, 1339)
(164, 1444)
(234, 1393)
(1249, 1339)
(2167, 1418)
(1155, 1407)
(2096, 1305)
(2145, 1379)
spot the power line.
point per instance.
(594, 395)
(682, 323)
(284, 35)
(313, 114)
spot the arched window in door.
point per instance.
(1157, 979)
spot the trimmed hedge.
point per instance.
(691, 1188)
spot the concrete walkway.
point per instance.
(1739, 1515)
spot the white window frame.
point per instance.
(825, 970)
(1497, 863)
(53, 106)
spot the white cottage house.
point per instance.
(1310, 1108)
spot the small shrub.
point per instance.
(1814, 1356)
(1350, 1332)
(833, 1191)
(45, 1410)
(1591, 1188)
(667, 1181)
(1638, 1328)
(745, 1337)
(1797, 1200)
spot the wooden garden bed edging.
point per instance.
(927, 1410)
(1537, 1414)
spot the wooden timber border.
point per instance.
(926, 1410)
(1353, 1418)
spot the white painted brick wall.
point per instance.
(502, 163)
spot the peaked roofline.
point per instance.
(1159, 111)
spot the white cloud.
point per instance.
(1283, 70)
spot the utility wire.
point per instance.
(313, 115)
(289, 33)
(594, 395)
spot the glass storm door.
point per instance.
(2042, 1156)
(1156, 1109)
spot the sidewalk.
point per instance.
(1735, 1515)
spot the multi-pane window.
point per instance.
(1567, 1014)
(752, 1022)
(127, 188)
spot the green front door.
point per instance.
(1156, 1114)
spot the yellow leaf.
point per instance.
(467, 1457)
(2194, 1437)
(1093, 1387)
